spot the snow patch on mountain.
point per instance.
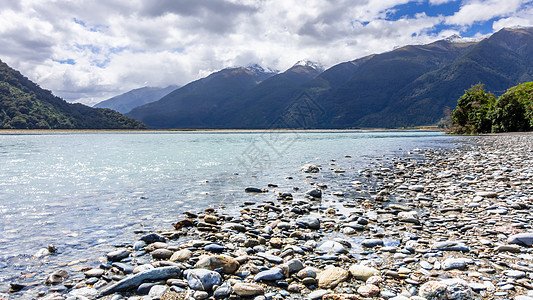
(308, 63)
(457, 39)
(256, 68)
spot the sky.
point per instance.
(90, 50)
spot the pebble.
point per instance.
(310, 168)
(331, 277)
(368, 290)
(453, 264)
(228, 264)
(524, 239)
(269, 275)
(117, 255)
(362, 272)
(446, 289)
(201, 279)
(248, 289)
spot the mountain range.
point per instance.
(125, 102)
(409, 86)
(24, 105)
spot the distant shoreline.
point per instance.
(43, 131)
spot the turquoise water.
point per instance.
(85, 191)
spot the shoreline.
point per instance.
(445, 221)
(60, 131)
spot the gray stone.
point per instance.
(318, 294)
(446, 289)
(271, 258)
(117, 255)
(144, 288)
(269, 275)
(308, 222)
(524, 239)
(124, 268)
(134, 281)
(84, 292)
(157, 291)
(162, 254)
(139, 245)
(223, 291)
(451, 246)
(331, 247)
(57, 277)
(152, 238)
(294, 265)
(476, 286)
(408, 217)
(200, 295)
(425, 265)
(307, 272)
(95, 272)
(416, 188)
(371, 243)
(315, 193)
(454, 264)
(310, 168)
(234, 226)
(201, 279)
(514, 274)
(487, 194)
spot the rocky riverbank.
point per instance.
(456, 224)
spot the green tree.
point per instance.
(471, 115)
(509, 115)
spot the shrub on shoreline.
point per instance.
(480, 112)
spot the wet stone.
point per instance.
(152, 238)
(117, 255)
(371, 243)
(162, 254)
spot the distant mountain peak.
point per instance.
(256, 68)
(309, 63)
(457, 39)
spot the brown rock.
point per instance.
(228, 264)
(183, 223)
(368, 290)
(210, 219)
(161, 254)
(248, 289)
(181, 255)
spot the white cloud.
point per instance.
(439, 2)
(479, 10)
(118, 45)
(522, 18)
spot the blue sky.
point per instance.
(91, 50)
